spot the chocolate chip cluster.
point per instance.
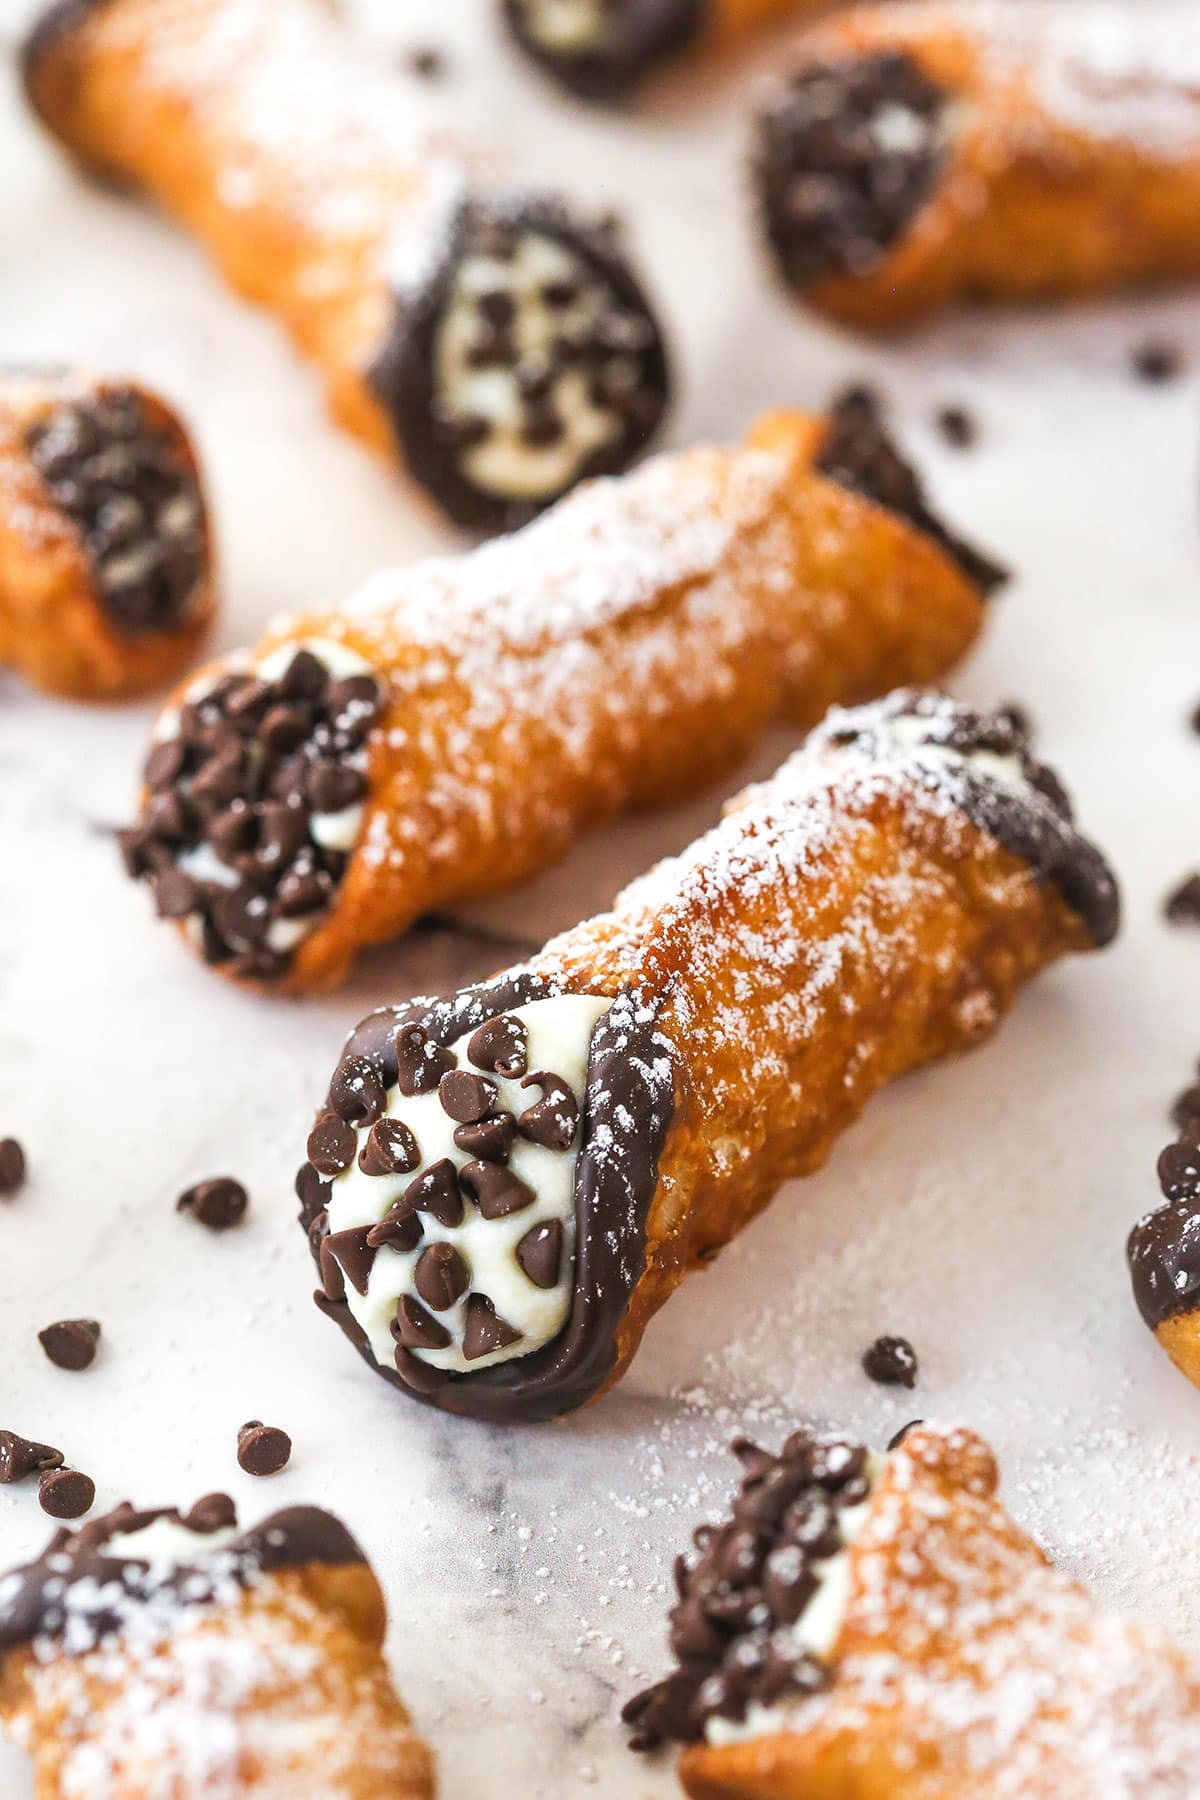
(838, 188)
(748, 1583)
(1163, 1251)
(253, 764)
(858, 453)
(130, 493)
(439, 1192)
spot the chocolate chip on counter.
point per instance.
(554, 1120)
(501, 1047)
(399, 1228)
(436, 1191)
(1182, 905)
(331, 1145)
(420, 1063)
(427, 62)
(1157, 362)
(20, 1457)
(540, 1253)
(496, 1191)
(441, 1276)
(219, 1203)
(66, 1493)
(390, 1149)
(1194, 720)
(891, 1361)
(485, 1330)
(12, 1167)
(417, 1329)
(466, 1097)
(262, 1449)
(957, 426)
(898, 1437)
(71, 1343)
(212, 1512)
(490, 1139)
(354, 1252)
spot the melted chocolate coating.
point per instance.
(642, 33)
(613, 1194)
(1163, 1254)
(404, 376)
(40, 1602)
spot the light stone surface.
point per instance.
(982, 1209)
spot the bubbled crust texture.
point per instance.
(1030, 204)
(617, 654)
(794, 983)
(281, 1695)
(967, 1665)
(54, 627)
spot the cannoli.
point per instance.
(106, 564)
(877, 1627)
(452, 728)
(602, 49)
(1164, 1253)
(919, 155)
(499, 347)
(506, 1184)
(160, 1656)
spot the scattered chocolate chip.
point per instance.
(898, 1437)
(66, 1493)
(354, 1252)
(500, 1047)
(496, 1191)
(399, 1228)
(71, 1343)
(485, 1330)
(554, 1120)
(540, 1253)
(420, 1063)
(491, 1139)
(417, 1329)
(957, 426)
(20, 1457)
(436, 1191)
(12, 1168)
(262, 1449)
(441, 1276)
(212, 1512)
(1157, 362)
(390, 1149)
(892, 1362)
(331, 1145)
(1194, 720)
(1182, 905)
(466, 1097)
(219, 1204)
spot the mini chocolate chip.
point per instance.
(245, 700)
(420, 1376)
(485, 1330)
(462, 431)
(441, 1276)
(436, 1191)
(219, 1203)
(535, 378)
(332, 787)
(283, 729)
(898, 1437)
(12, 1167)
(282, 829)
(891, 1361)
(356, 1093)
(491, 1138)
(559, 294)
(175, 894)
(354, 1252)
(496, 1191)
(500, 1047)
(1186, 1106)
(497, 306)
(300, 893)
(164, 764)
(262, 1449)
(788, 1583)
(466, 1097)
(1182, 906)
(417, 1329)
(541, 427)
(240, 915)
(311, 1191)
(220, 780)
(833, 1465)
(233, 832)
(540, 1253)
(1179, 1169)
(167, 817)
(331, 1144)
(399, 1229)
(428, 63)
(554, 1120)
(66, 1493)
(390, 1149)
(304, 678)
(20, 1457)
(1157, 362)
(212, 1512)
(957, 426)
(420, 1063)
(71, 1343)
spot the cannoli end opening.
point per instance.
(601, 49)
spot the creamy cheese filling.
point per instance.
(558, 1034)
(166, 1541)
(909, 733)
(570, 27)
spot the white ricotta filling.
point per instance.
(570, 27)
(908, 733)
(503, 463)
(559, 1032)
(166, 1541)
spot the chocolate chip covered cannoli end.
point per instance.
(602, 49)
(845, 156)
(525, 358)
(1163, 1253)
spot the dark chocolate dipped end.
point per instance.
(246, 827)
(845, 157)
(84, 1585)
(130, 491)
(858, 453)
(1030, 816)
(522, 292)
(745, 1586)
(602, 49)
(1163, 1251)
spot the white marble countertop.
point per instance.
(981, 1208)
